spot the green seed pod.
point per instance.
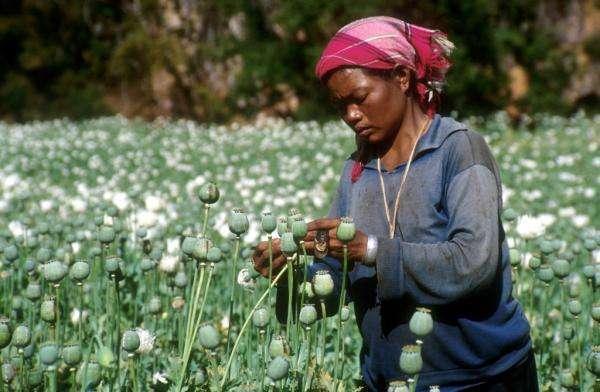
(130, 341)
(141, 232)
(8, 372)
(288, 245)
(510, 215)
(278, 368)
(568, 332)
(557, 245)
(278, 346)
(55, 271)
(71, 354)
(238, 222)
(593, 361)
(79, 271)
(260, 317)
(546, 247)
(595, 314)
(398, 386)
(154, 305)
(209, 336)
(21, 336)
(5, 332)
(33, 291)
(200, 251)
(567, 380)
(421, 322)
(268, 222)
(35, 377)
(282, 225)
(589, 270)
(346, 230)
(11, 253)
(48, 310)
(209, 193)
(308, 314)
(345, 315)
(534, 263)
(322, 283)
(589, 244)
(112, 265)
(575, 307)
(188, 245)
(574, 289)
(545, 274)
(576, 247)
(214, 255)
(306, 287)
(106, 235)
(106, 357)
(43, 255)
(49, 353)
(561, 268)
(17, 303)
(28, 351)
(89, 375)
(181, 280)
(30, 265)
(515, 257)
(299, 228)
(95, 251)
(410, 360)
(147, 264)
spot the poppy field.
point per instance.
(125, 254)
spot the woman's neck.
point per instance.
(398, 149)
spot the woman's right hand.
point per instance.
(260, 258)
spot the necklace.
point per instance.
(391, 219)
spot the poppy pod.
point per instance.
(209, 336)
(308, 315)
(421, 322)
(238, 222)
(130, 341)
(278, 368)
(72, 354)
(346, 230)
(21, 336)
(260, 318)
(410, 359)
(209, 193)
(322, 283)
(268, 222)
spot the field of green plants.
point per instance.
(125, 253)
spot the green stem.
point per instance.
(248, 318)
(339, 315)
(206, 208)
(323, 322)
(233, 286)
(288, 321)
(80, 323)
(57, 334)
(118, 329)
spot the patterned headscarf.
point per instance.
(383, 43)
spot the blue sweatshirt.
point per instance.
(448, 254)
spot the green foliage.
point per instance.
(65, 58)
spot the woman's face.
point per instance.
(371, 105)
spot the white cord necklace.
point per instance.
(392, 219)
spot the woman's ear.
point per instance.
(402, 79)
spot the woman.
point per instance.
(425, 195)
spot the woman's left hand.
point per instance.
(356, 248)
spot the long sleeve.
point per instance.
(439, 273)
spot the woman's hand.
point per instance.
(260, 258)
(356, 248)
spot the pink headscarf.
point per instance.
(382, 42)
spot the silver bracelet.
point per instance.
(371, 253)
